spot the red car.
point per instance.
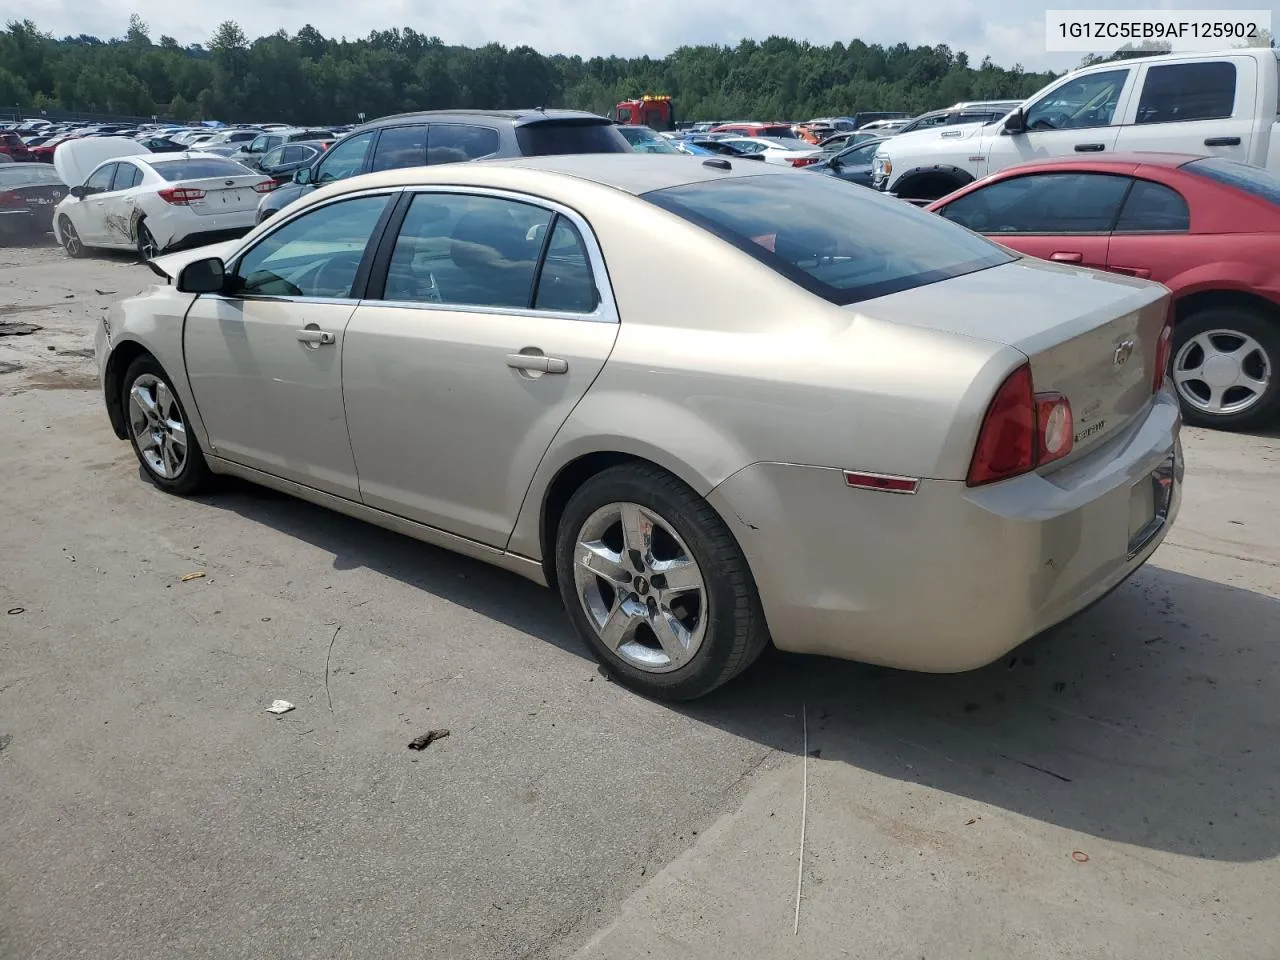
(12, 145)
(1206, 227)
(756, 129)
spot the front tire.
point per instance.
(71, 241)
(656, 584)
(1226, 368)
(159, 430)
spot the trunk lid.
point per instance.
(1090, 336)
(223, 194)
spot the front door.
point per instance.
(265, 359)
(1080, 116)
(458, 377)
(90, 215)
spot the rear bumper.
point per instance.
(188, 232)
(950, 578)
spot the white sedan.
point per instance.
(126, 198)
(779, 150)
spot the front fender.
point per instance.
(960, 175)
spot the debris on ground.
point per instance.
(14, 611)
(9, 328)
(280, 706)
(102, 293)
(193, 576)
(1079, 856)
(428, 738)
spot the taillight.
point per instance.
(1164, 347)
(1021, 431)
(180, 196)
(803, 161)
(11, 201)
(266, 186)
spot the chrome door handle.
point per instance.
(537, 362)
(1066, 256)
(315, 336)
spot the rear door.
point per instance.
(474, 343)
(1065, 217)
(1200, 107)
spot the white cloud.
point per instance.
(1010, 31)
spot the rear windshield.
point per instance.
(843, 244)
(1252, 180)
(776, 130)
(196, 169)
(27, 175)
(549, 139)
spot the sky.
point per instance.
(1010, 31)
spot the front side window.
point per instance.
(841, 244)
(459, 142)
(1048, 203)
(314, 255)
(259, 145)
(1088, 101)
(860, 155)
(1205, 90)
(400, 147)
(467, 250)
(345, 159)
(1153, 208)
(100, 180)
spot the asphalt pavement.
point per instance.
(1108, 790)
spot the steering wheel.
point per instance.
(333, 277)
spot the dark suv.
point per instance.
(450, 136)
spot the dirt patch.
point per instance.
(14, 309)
(57, 380)
(8, 367)
(8, 329)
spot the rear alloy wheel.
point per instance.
(147, 248)
(70, 239)
(1226, 368)
(158, 430)
(656, 584)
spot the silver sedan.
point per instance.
(713, 405)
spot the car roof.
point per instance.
(1131, 158)
(517, 117)
(633, 173)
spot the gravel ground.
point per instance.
(151, 807)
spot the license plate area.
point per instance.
(1149, 501)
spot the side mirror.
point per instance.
(1016, 122)
(77, 192)
(302, 175)
(202, 276)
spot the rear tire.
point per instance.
(1226, 368)
(159, 430)
(148, 250)
(674, 619)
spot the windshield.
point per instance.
(1252, 180)
(550, 139)
(198, 169)
(644, 140)
(843, 245)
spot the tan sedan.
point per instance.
(712, 405)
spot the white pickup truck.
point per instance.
(1224, 104)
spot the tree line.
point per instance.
(308, 78)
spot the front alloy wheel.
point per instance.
(70, 239)
(158, 430)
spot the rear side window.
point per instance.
(400, 147)
(1153, 208)
(549, 138)
(127, 177)
(195, 169)
(459, 142)
(1045, 203)
(1253, 180)
(1188, 91)
(843, 244)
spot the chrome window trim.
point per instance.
(606, 310)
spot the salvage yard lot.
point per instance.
(150, 807)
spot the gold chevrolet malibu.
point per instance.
(714, 406)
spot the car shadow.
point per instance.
(1149, 719)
